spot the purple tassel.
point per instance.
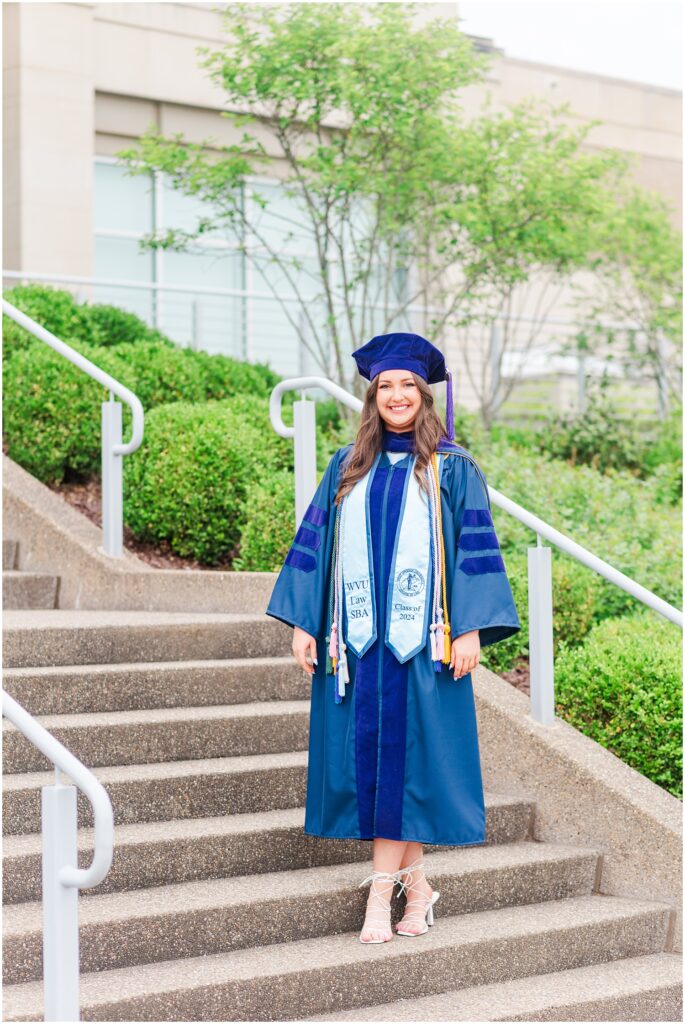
(449, 408)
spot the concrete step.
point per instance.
(76, 637)
(641, 988)
(154, 853)
(133, 686)
(176, 789)
(213, 916)
(29, 589)
(165, 734)
(291, 980)
(10, 553)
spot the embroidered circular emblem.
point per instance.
(410, 582)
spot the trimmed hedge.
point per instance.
(267, 525)
(58, 311)
(187, 484)
(622, 688)
(52, 412)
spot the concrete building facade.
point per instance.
(84, 80)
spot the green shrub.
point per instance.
(223, 377)
(597, 437)
(52, 412)
(622, 688)
(52, 308)
(109, 325)
(58, 311)
(156, 373)
(267, 525)
(614, 515)
(188, 482)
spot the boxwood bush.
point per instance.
(622, 688)
(52, 412)
(188, 482)
(58, 311)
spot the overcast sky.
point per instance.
(642, 42)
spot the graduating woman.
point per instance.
(393, 584)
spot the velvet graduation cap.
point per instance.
(407, 352)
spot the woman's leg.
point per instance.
(387, 856)
(420, 892)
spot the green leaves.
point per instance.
(622, 688)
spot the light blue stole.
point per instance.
(409, 594)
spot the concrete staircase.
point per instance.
(219, 907)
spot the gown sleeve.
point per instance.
(481, 596)
(300, 594)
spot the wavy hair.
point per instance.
(428, 430)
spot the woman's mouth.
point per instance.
(398, 408)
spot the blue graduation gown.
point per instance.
(398, 757)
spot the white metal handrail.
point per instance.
(62, 878)
(113, 447)
(539, 557)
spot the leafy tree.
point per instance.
(401, 201)
(639, 270)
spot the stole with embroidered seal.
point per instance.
(419, 548)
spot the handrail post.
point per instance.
(304, 419)
(112, 479)
(540, 633)
(60, 905)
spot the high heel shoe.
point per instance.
(382, 924)
(423, 916)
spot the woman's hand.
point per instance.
(303, 643)
(465, 653)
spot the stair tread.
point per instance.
(149, 716)
(501, 1000)
(28, 573)
(176, 829)
(164, 769)
(233, 891)
(141, 666)
(339, 951)
(71, 618)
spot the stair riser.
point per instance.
(664, 1004)
(151, 864)
(194, 796)
(29, 591)
(115, 644)
(382, 978)
(221, 929)
(148, 743)
(135, 687)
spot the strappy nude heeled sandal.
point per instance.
(382, 923)
(423, 916)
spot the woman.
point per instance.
(393, 584)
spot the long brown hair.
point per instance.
(428, 430)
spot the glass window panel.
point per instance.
(214, 323)
(122, 259)
(283, 222)
(122, 203)
(184, 212)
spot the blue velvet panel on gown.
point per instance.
(398, 757)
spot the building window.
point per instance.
(214, 298)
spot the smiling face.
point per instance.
(398, 399)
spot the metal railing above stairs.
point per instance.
(113, 448)
(61, 877)
(540, 607)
